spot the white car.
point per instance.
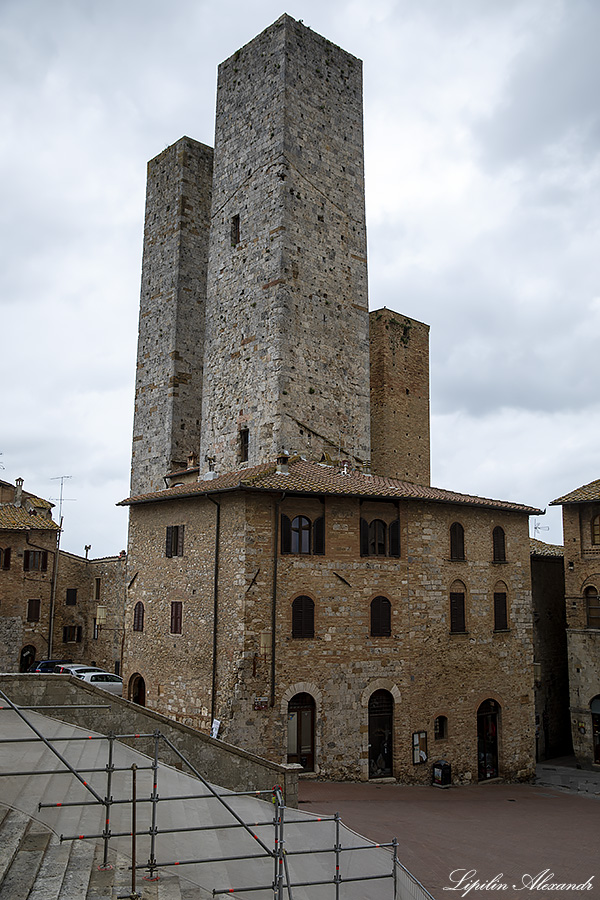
(76, 669)
(104, 680)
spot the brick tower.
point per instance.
(286, 346)
(168, 391)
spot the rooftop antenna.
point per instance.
(537, 527)
(61, 499)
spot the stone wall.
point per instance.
(229, 767)
(287, 322)
(168, 398)
(399, 351)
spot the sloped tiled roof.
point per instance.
(17, 518)
(540, 548)
(585, 494)
(306, 477)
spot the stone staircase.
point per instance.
(35, 865)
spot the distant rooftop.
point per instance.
(540, 548)
(585, 494)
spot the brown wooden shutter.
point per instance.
(6, 559)
(26, 556)
(176, 616)
(500, 612)
(44, 560)
(457, 612)
(180, 529)
(319, 536)
(395, 538)
(169, 541)
(286, 534)
(364, 537)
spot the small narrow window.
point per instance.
(176, 616)
(71, 596)
(500, 611)
(244, 444)
(440, 728)
(596, 530)
(319, 536)
(174, 540)
(499, 544)
(381, 617)
(33, 610)
(457, 612)
(303, 618)
(592, 604)
(457, 541)
(235, 230)
(5, 558)
(97, 588)
(300, 535)
(138, 616)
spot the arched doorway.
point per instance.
(381, 733)
(137, 689)
(487, 740)
(27, 657)
(301, 731)
(595, 708)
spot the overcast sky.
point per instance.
(482, 134)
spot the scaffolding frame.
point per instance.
(281, 885)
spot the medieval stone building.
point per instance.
(581, 530)
(293, 578)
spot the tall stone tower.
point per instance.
(286, 345)
(168, 391)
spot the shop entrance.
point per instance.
(301, 731)
(487, 740)
(381, 731)
(595, 708)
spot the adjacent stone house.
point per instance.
(581, 531)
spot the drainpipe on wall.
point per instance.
(274, 595)
(213, 697)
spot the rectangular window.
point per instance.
(235, 231)
(5, 557)
(33, 610)
(71, 596)
(97, 588)
(500, 612)
(457, 612)
(244, 444)
(35, 561)
(176, 616)
(174, 542)
(72, 634)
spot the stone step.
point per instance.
(14, 826)
(52, 871)
(169, 888)
(26, 863)
(78, 872)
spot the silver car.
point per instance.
(104, 680)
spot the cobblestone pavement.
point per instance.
(509, 831)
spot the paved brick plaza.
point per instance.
(493, 828)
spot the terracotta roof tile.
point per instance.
(540, 548)
(17, 518)
(306, 477)
(585, 494)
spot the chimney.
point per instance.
(282, 462)
(18, 491)
(192, 460)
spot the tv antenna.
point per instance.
(61, 499)
(537, 527)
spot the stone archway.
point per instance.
(27, 657)
(137, 689)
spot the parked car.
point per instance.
(77, 669)
(104, 680)
(44, 666)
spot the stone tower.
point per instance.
(168, 392)
(286, 347)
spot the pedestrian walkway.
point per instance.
(566, 773)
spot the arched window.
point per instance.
(376, 539)
(303, 618)
(500, 607)
(592, 607)
(457, 541)
(457, 608)
(381, 617)
(499, 543)
(440, 728)
(138, 616)
(300, 535)
(596, 530)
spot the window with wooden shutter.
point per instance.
(500, 611)
(596, 530)
(377, 535)
(300, 534)
(174, 540)
(303, 618)
(499, 544)
(457, 612)
(176, 616)
(138, 616)
(457, 541)
(319, 536)
(35, 560)
(592, 604)
(381, 617)
(395, 538)
(33, 610)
